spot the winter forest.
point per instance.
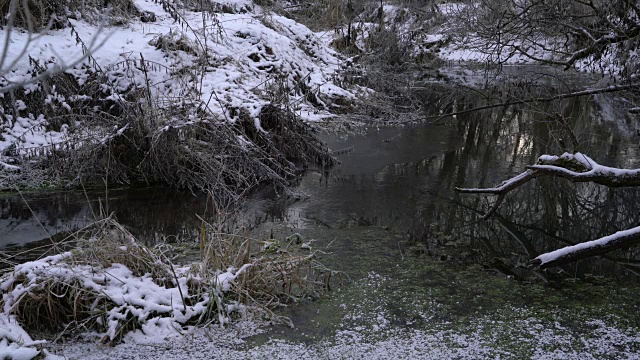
(319, 179)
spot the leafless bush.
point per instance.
(187, 148)
(387, 47)
(597, 34)
(325, 14)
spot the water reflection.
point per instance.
(406, 185)
(402, 179)
(150, 213)
(546, 213)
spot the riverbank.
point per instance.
(159, 90)
(101, 282)
(414, 290)
(413, 307)
(426, 277)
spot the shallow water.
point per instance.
(415, 253)
(402, 179)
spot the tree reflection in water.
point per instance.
(403, 179)
(546, 213)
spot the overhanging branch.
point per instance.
(608, 89)
(573, 167)
(577, 168)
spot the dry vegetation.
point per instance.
(132, 135)
(111, 284)
(382, 45)
(37, 15)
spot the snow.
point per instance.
(370, 334)
(592, 167)
(367, 329)
(247, 53)
(162, 310)
(225, 279)
(554, 255)
(15, 343)
(9, 167)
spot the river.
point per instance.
(416, 254)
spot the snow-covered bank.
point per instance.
(177, 69)
(247, 54)
(461, 32)
(112, 286)
(368, 331)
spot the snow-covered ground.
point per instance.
(368, 331)
(248, 55)
(547, 343)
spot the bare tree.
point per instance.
(566, 33)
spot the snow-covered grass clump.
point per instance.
(112, 285)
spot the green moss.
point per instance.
(426, 294)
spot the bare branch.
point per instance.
(587, 92)
(576, 168)
(573, 167)
(535, 29)
(8, 63)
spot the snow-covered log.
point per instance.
(569, 254)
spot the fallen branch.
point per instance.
(569, 254)
(576, 168)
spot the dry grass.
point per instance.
(321, 14)
(75, 291)
(36, 15)
(172, 139)
(61, 300)
(280, 273)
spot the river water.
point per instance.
(415, 252)
(402, 179)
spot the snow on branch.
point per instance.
(577, 168)
(574, 167)
(565, 255)
(581, 168)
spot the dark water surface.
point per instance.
(416, 254)
(402, 180)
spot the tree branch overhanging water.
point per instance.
(576, 168)
(587, 92)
